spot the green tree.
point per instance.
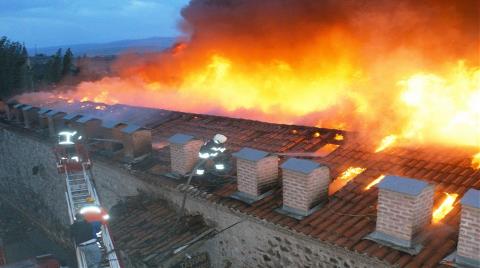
(55, 67)
(68, 67)
(14, 67)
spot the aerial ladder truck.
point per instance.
(74, 163)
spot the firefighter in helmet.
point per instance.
(212, 150)
(94, 215)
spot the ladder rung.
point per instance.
(78, 197)
(78, 187)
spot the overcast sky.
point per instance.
(57, 22)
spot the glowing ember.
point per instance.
(350, 173)
(326, 149)
(100, 107)
(338, 137)
(84, 99)
(445, 207)
(386, 142)
(70, 101)
(374, 182)
(476, 161)
(344, 178)
(316, 135)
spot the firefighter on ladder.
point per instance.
(212, 150)
(95, 215)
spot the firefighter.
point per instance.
(81, 231)
(95, 215)
(214, 150)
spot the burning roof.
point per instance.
(350, 212)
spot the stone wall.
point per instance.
(243, 241)
(468, 242)
(29, 180)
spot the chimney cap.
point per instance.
(131, 128)
(85, 119)
(71, 116)
(18, 105)
(44, 110)
(300, 165)
(180, 138)
(471, 198)
(112, 123)
(408, 186)
(28, 107)
(54, 112)
(250, 154)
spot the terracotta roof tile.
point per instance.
(447, 167)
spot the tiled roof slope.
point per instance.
(142, 228)
(351, 212)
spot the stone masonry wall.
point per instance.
(29, 180)
(468, 242)
(250, 243)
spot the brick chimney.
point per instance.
(87, 126)
(183, 153)
(404, 208)
(257, 171)
(17, 112)
(9, 110)
(55, 122)
(42, 118)
(468, 248)
(137, 141)
(305, 183)
(30, 116)
(111, 130)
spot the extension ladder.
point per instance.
(79, 187)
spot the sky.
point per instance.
(44, 23)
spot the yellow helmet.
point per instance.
(90, 199)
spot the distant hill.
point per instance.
(112, 48)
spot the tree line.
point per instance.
(20, 73)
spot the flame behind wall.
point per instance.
(405, 68)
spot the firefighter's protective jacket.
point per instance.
(211, 149)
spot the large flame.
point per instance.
(407, 68)
(476, 161)
(374, 182)
(386, 142)
(342, 180)
(445, 207)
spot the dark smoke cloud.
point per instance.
(266, 29)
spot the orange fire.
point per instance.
(374, 182)
(410, 69)
(344, 178)
(445, 207)
(338, 137)
(476, 161)
(386, 142)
